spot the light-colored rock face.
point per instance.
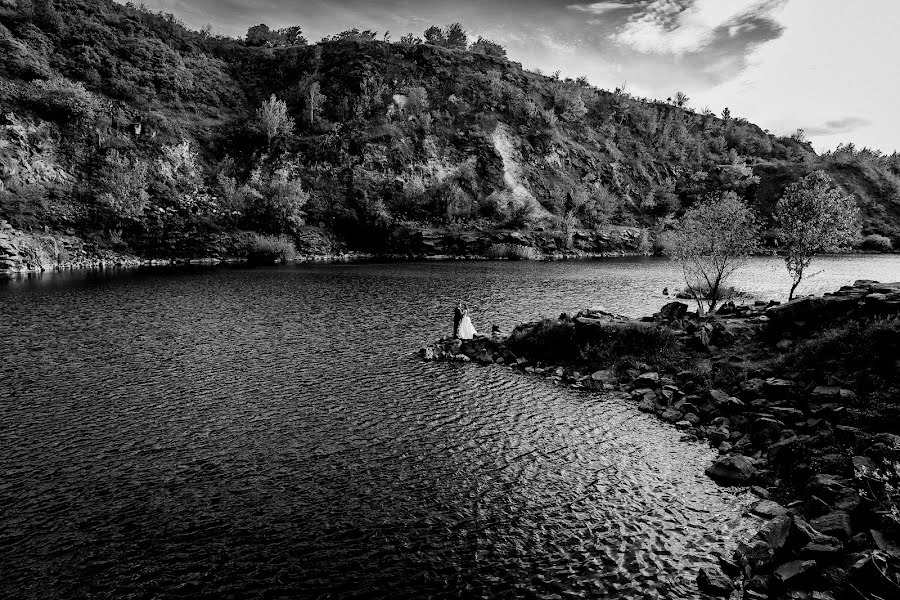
(516, 190)
(28, 154)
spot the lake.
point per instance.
(247, 433)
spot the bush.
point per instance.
(876, 242)
(861, 353)
(556, 341)
(617, 343)
(548, 340)
(64, 100)
(512, 252)
(266, 249)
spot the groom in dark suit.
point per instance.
(457, 317)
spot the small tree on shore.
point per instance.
(711, 241)
(813, 216)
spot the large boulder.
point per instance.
(731, 470)
(673, 310)
(714, 581)
(836, 523)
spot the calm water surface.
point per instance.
(237, 433)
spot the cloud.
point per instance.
(599, 8)
(683, 26)
(843, 125)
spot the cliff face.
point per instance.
(131, 131)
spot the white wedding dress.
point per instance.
(466, 329)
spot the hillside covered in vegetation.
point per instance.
(124, 128)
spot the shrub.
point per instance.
(864, 352)
(616, 343)
(64, 100)
(877, 242)
(556, 340)
(512, 252)
(266, 249)
(122, 182)
(548, 340)
(277, 206)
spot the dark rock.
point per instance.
(646, 380)
(802, 532)
(791, 571)
(823, 548)
(714, 581)
(719, 434)
(823, 393)
(760, 492)
(731, 568)
(777, 389)
(775, 533)
(766, 431)
(835, 523)
(673, 310)
(671, 415)
(692, 418)
(767, 509)
(863, 464)
(604, 376)
(885, 543)
(754, 555)
(783, 451)
(826, 486)
(731, 470)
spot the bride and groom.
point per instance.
(462, 323)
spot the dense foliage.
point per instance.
(124, 126)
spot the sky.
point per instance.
(826, 66)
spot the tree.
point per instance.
(410, 40)
(352, 35)
(417, 100)
(488, 48)
(569, 207)
(435, 35)
(314, 101)
(813, 216)
(258, 35)
(290, 36)
(123, 184)
(570, 105)
(456, 37)
(274, 119)
(681, 99)
(711, 241)
(277, 206)
(726, 114)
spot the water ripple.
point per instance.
(238, 433)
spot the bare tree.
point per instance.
(711, 241)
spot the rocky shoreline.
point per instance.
(823, 466)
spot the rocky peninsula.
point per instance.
(799, 399)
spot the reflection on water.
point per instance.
(213, 433)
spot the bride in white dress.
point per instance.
(466, 329)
